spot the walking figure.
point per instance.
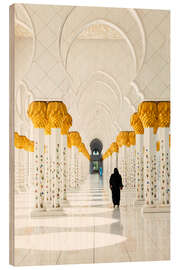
(116, 186)
(100, 171)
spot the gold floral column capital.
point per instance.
(124, 138)
(47, 129)
(132, 138)
(37, 113)
(56, 111)
(148, 113)
(22, 142)
(75, 138)
(136, 124)
(118, 141)
(82, 147)
(114, 147)
(66, 124)
(163, 114)
(110, 152)
(18, 141)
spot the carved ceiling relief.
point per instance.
(155, 71)
(101, 31)
(24, 46)
(138, 38)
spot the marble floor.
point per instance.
(89, 230)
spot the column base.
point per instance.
(47, 212)
(156, 209)
(139, 202)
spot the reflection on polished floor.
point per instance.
(89, 230)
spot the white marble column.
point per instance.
(63, 157)
(150, 169)
(57, 187)
(139, 158)
(128, 168)
(124, 166)
(132, 167)
(81, 167)
(69, 163)
(158, 170)
(31, 170)
(77, 179)
(139, 172)
(39, 168)
(19, 171)
(47, 173)
(73, 167)
(120, 160)
(164, 198)
(148, 113)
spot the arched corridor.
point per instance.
(92, 94)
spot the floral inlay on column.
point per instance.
(65, 126)
(139, 170)
(37, 113)
(75, 141)
(132, 140)
(147, 112)
(163, 131)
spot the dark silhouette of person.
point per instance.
(116, 186)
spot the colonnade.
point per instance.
(60, 159)
(144, 156)
(24, 149)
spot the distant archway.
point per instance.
(96, 147)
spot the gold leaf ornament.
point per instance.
(37, 113)
(136, 123)
(148, 113)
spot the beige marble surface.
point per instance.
(89, 233)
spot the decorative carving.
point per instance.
(114, 147)
(22, 31)
(37, 113)
(158, 146)
(75, 138)
(118, 141)
(100, 31)
(155, 127)
(47, 129)
(22, 142)
(163, 114)
(124, 138)
(81, 147)
(147, 112)
(56, 112)
(109, 151)
(66, 124)
(132, 138)
(136, 123)
(18, 141)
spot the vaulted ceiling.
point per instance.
(101, 62)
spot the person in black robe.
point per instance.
(116, 185)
